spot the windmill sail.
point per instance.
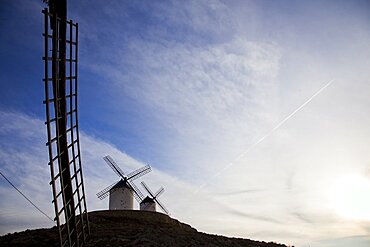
(127, 180)
(138, 173)
(105, 192)
(114, 166)
(60, 52)
(162, 206)
(154, 197)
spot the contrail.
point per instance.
(264, 137)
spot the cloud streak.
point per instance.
(264, 137)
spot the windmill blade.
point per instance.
(105, 195)
(139, 172)
(102, 194)
(147, 189)
(137, 193)
(162, 206)
(159, 192)
(105, 191)
(114, 166)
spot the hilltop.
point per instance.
(132, 228)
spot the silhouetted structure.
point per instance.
(61, 49)
(149, 202)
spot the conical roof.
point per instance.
(121, 184)
(147, 200)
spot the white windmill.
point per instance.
(149, 202)
(121, 193)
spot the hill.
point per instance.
(132, 228)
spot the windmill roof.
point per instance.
(147, 200)
(121, 184)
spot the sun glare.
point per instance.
(351, 197)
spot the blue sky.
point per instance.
(189, 87)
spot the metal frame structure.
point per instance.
(61, 49)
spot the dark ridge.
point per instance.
(132, 228)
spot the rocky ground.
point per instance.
(132, 228)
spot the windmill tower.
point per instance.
(149, 202)
(121, 194)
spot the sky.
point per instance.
(254, 115)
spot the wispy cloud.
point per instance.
(211, 81)
(227, 87)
